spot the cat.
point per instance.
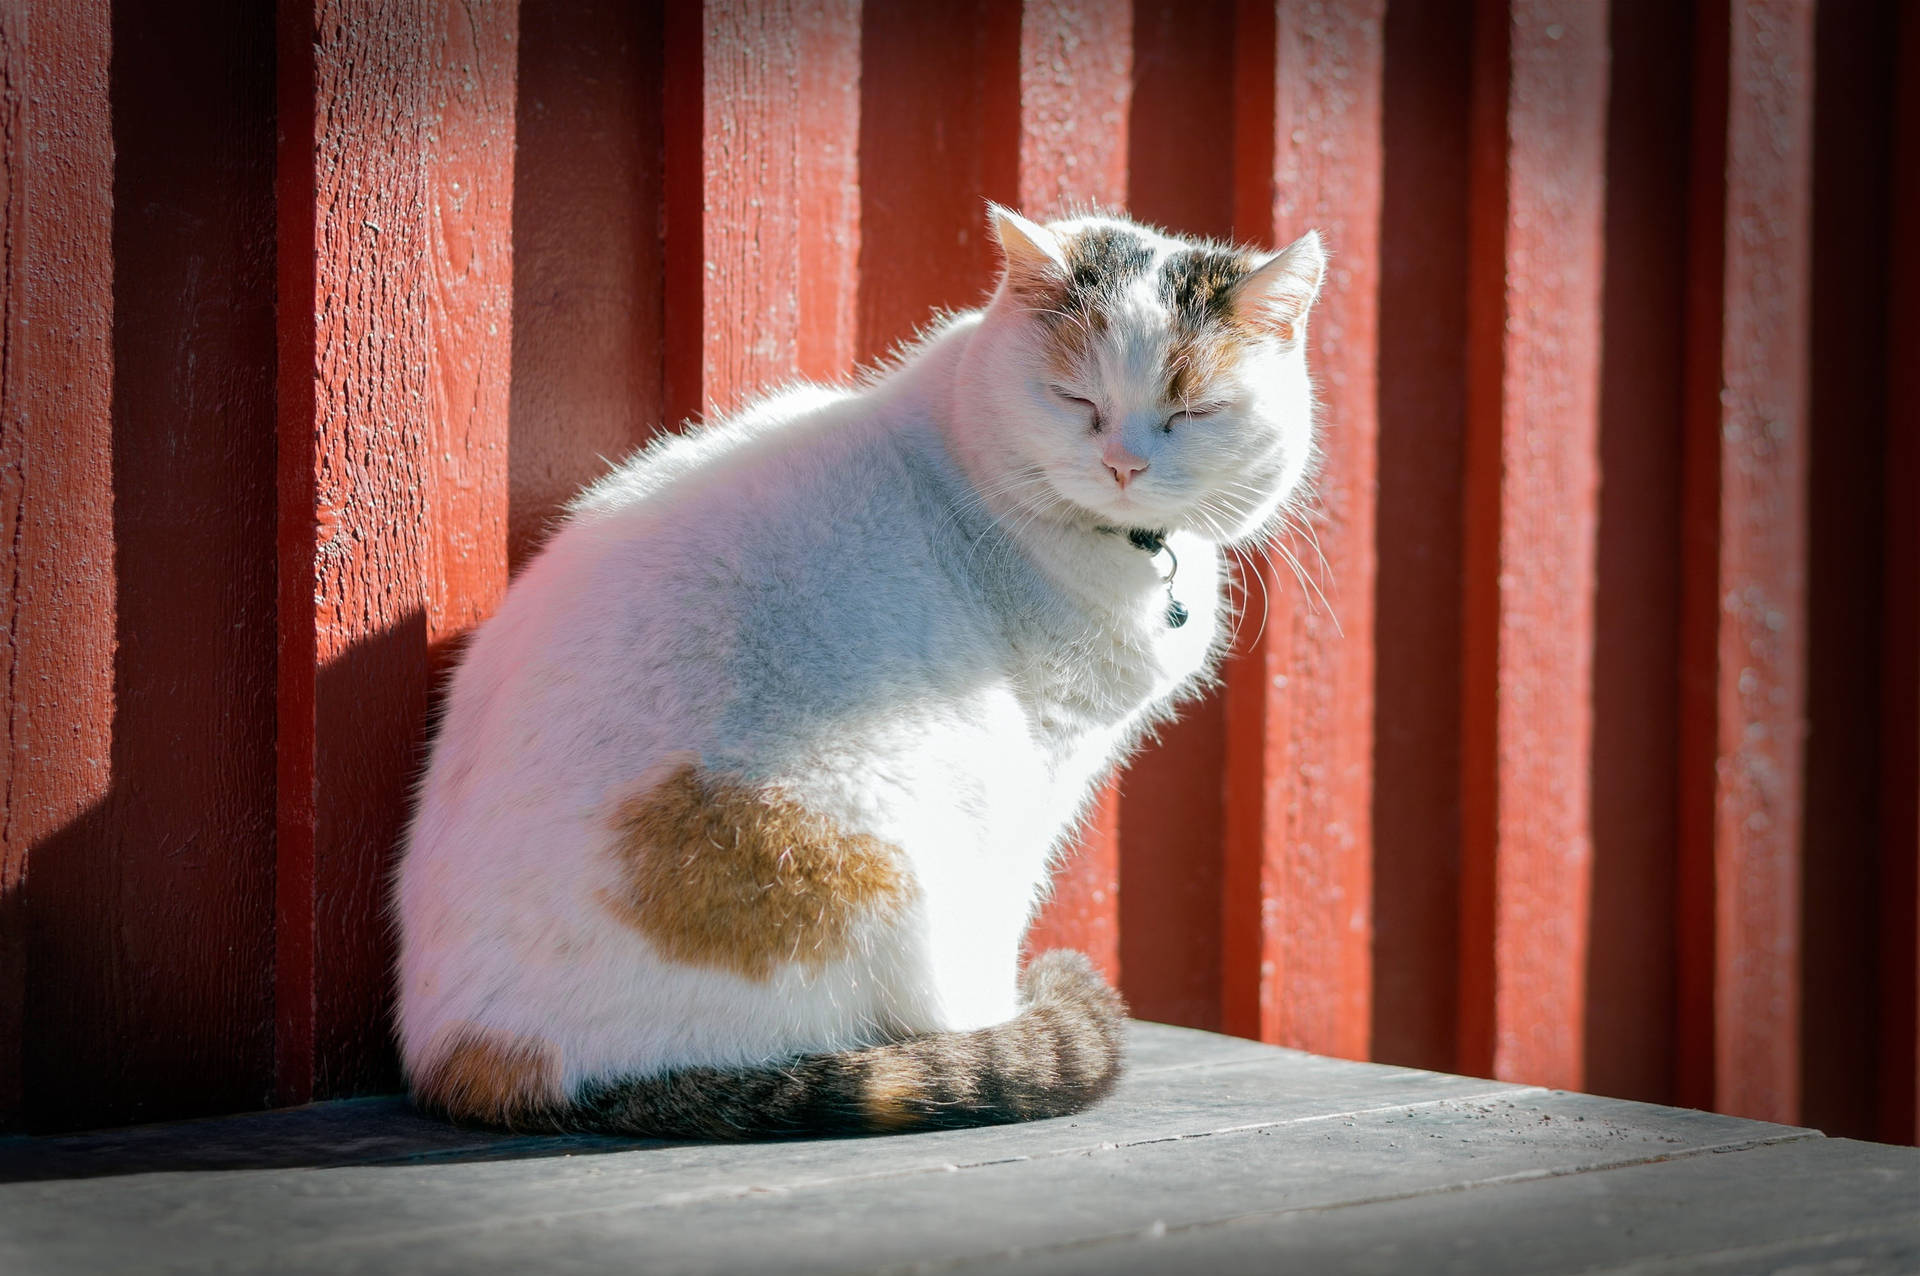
(743, 800)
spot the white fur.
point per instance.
(894, 601)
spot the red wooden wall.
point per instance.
(1574, 738)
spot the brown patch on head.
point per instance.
(478, 1074)
(739, 879)
(1198, 284)
(1101, 262)
(1197, 361)
(1070, 342)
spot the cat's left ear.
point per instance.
(1036, 259)
(1276, 297)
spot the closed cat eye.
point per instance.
(1078, 401)
(1199, 412)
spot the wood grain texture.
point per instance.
(1172, 799)
(470, 91)
(1900, 642)
(588, 306)
(153, 928)
(1532, 484)
(1076, 91)
(762, 120)
(1744, 623)
(1076, 85)
(1297, 927)
(395, 179)
(1423, 319)
(56, 480)
(1209, 1157)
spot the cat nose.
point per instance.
(1122, 464)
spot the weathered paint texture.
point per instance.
(1297, 918)
(1532, 483)
(1745, 624)
(56, 369)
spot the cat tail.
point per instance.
(1059, 1054)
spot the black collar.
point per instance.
(1155, 543)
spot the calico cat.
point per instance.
(743, 800)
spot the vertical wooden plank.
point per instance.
(827, 182)
(1076, 86)
(1900, 650)
(1744, 624)
(470, 92)
(1852, 153)
(1423, 319)
(1533, 390)
(758, 94)
(939, 135)
(588, 306)
(1298, 910)
(1172, 801)
(56, 368)
(395, 184)
(1629, 1016)
(1083, 910)
(153, 933)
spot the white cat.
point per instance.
(744, 798)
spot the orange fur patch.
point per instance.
(1197, 361)
(889, 1084)
(725, 876)
(477, 1074)
(1071, 338)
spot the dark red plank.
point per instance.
(56, 646)
(588, 308)
(154, 932)
(1298, 909)
(1172, 798)
(1744, 623)
(1900, 662)
(1423, 318)
(1532, 485)
(1629, 1015)
(939, 134)
(1852, 150)
(395, 181)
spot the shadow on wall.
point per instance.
(152, 951)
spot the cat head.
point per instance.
(1154, 382)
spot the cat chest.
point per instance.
(1097, 687)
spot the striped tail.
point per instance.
(1057, 1056)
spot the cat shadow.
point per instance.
(379, 1131)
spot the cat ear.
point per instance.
(1276, 297)
(1034, 255)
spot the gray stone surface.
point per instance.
(1216, 1155)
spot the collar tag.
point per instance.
(1155, 543)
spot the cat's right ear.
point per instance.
(1036, 260)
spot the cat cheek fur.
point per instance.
(743, 799)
